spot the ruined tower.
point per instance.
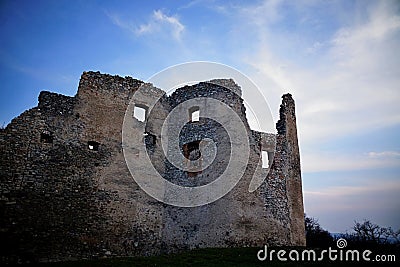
(67, 193)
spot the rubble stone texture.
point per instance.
(66, 192)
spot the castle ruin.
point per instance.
(66, 191)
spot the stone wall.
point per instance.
(66, 192)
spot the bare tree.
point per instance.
(367, 231)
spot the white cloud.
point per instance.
(191, 4)
(384, 154)
(159, 23)
(352, 82)
(264, 13)
(314, 47)
(318, 161)
(118, 21)
(341, 191)
(381, 23)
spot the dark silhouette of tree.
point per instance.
(316, 236)
(367, 233)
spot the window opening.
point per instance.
(140, 112)
(46, 137)
(191, 151)
(194, 114)
(93, 145)
(265, 161)
(149, 139)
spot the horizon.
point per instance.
(338, 59)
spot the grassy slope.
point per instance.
(202, 257)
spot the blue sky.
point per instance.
(339, 59)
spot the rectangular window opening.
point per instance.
(191, 151)
(264, 158)
(194, 114)
(93, 145)
(140, 112)
(46, 137)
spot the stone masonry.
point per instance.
(66, 192)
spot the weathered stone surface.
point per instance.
(66, 192)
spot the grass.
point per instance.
(200, 257)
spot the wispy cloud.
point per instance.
(377, 201)
(343, 84)
(193, 3)
(263, 13)
(117, 20)
(340, 191)
(384, 154)
(314, 47)
(318, 161)
(159, 23)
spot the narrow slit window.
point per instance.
(264, 158)
(194, 114)
(140, 112)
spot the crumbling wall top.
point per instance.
(228, 83)
(99, 81)
(287, 108)
(224, 89)
(56, 103)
